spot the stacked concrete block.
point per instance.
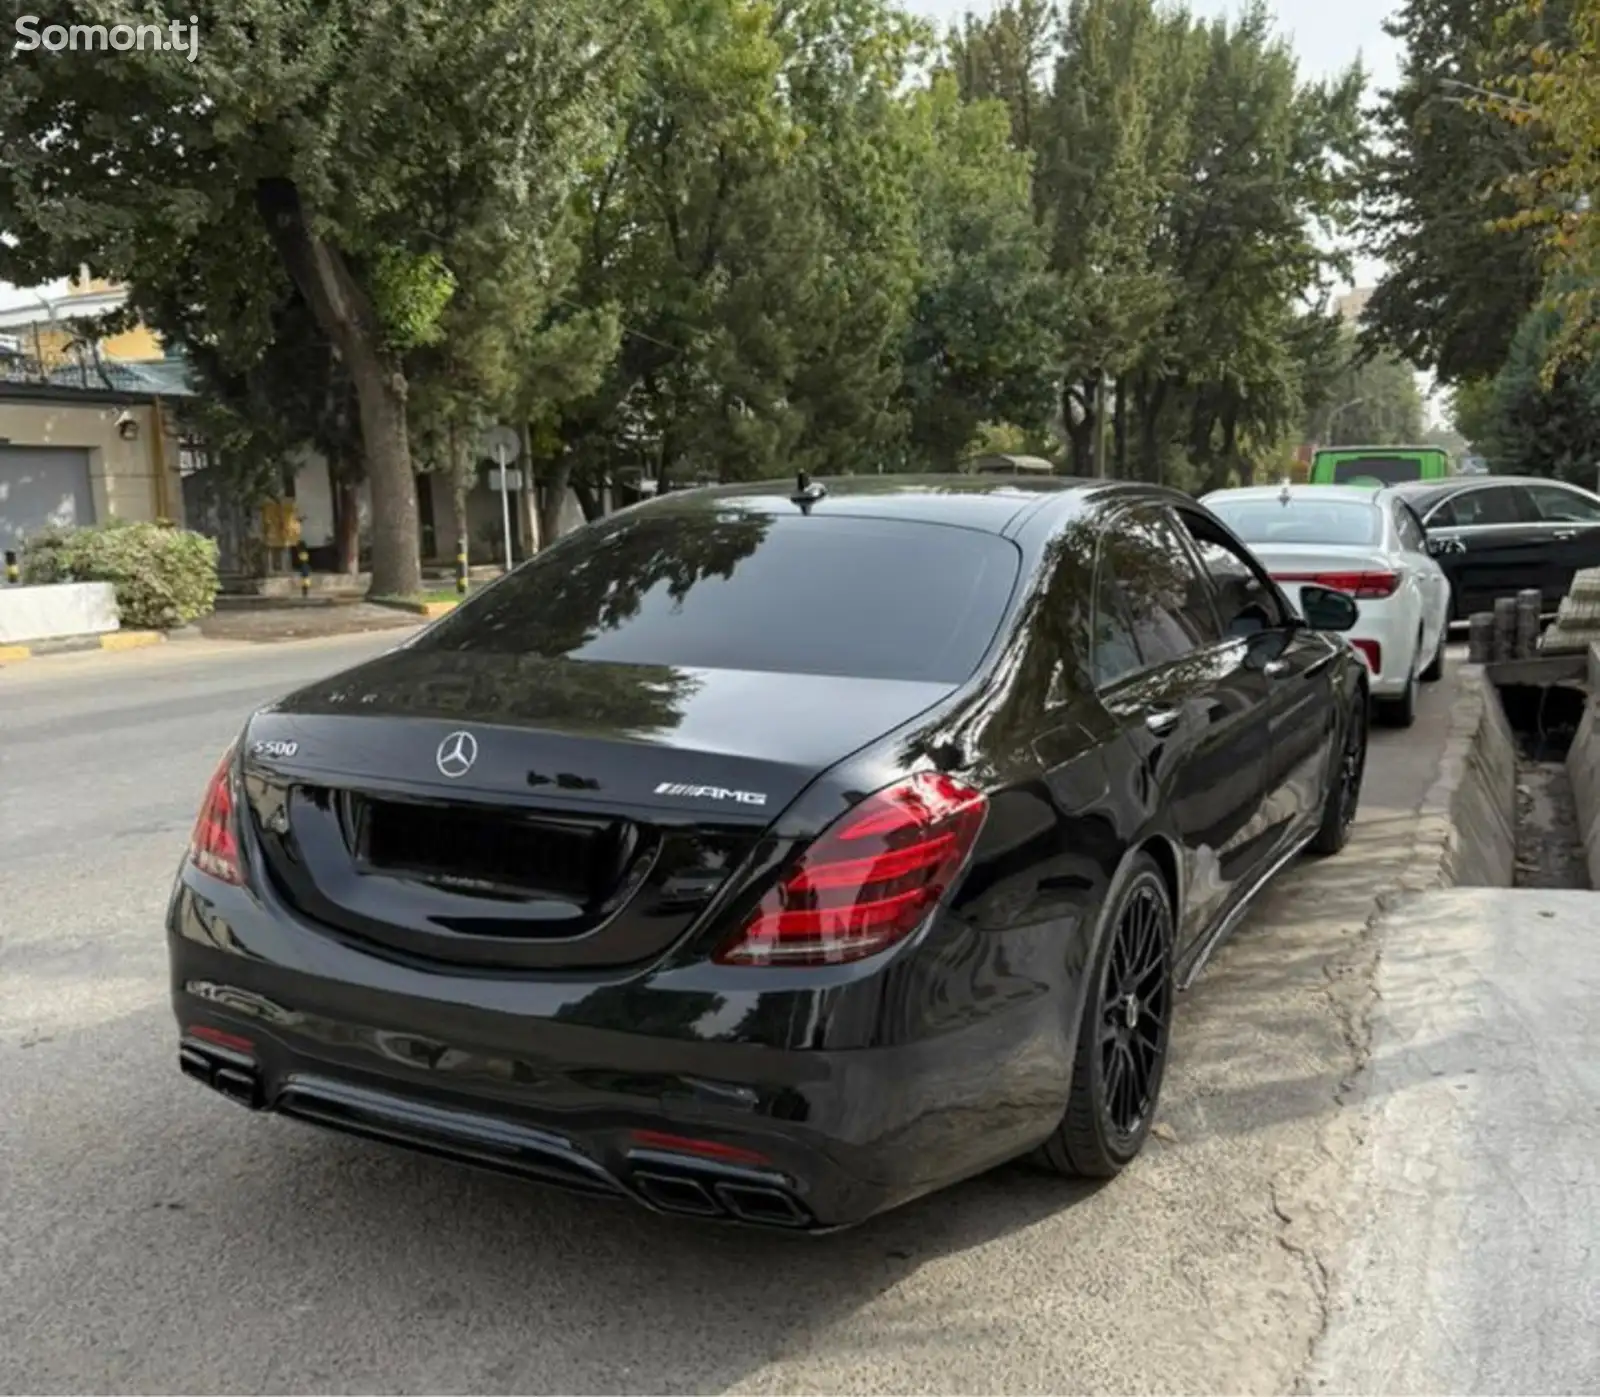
(1577, 623)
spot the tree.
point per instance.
(1551, 95)
(1543, 414)
(1370, 399)
(981, 339)
(1458, 278)
(352, 140)
(1264, 172)
(1472, 410)
(755, 227)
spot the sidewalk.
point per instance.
(1475, 1197)
(291, 620)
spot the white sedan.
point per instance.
(1369, 544)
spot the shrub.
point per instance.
(164, 576)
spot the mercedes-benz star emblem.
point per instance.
(456, 754)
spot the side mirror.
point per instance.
(1327, 610)
(1436, 546)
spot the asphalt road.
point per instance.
(159, 1239)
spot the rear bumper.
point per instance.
(1397, 647)
(687, 1111)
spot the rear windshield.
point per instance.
(1300, 521)
(1386, 470)
(878, 599)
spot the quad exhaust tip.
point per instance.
(673, 1193)
(770, 1207)
(686, 1196)
(237, 1081)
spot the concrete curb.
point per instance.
(429, 609)
(1466, 827)
(1583, 770)
(67, 645)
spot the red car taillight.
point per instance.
(1373, 585)
(214, 845)
(867, 881)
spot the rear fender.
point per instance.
(1168, 859)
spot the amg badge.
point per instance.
(674, 788)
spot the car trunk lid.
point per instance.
(586, 815)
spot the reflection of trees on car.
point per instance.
(527, 689)
(596, 581)
(1055, 635)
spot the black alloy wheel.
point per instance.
(1352, 769)
(1135, 1014)
(1122, 1039)
(1343, 799)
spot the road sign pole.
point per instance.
(505, 504)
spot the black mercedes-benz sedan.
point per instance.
(1497, 535)
(773, 853)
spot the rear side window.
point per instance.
(1165, 597)
(1301, 520)
(1559, 506)
(876, 599)
(1495, 504)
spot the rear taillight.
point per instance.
(869, 880)
(214, 846)
(1373, 652)
(1371, 585)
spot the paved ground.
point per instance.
(292, 620)
(158, 1239)
(1477, 1263)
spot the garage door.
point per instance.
(40, 486)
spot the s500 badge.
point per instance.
(274, 749)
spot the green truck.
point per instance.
(1374, 466)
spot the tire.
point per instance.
(1110, 1110)
(1435, 670)
(1400, 712)
(1343, 799)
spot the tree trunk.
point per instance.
(1119, 428)
(344, 311)
(1080, 435)
(552, 496)
(347, 524)
(1150, 412)
(590, 500)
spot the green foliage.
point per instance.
(164, 577)
(1458, 280)
(982, 337)
(1365, 399)
(1548, 90)
(705, 238)
(410, 292)
(1540, 422)
(1472, 410)
(349, 150)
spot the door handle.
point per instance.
(1562, 535)
(1275, 669)
(1163, 722)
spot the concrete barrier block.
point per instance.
(59, 609)
(1477, 791)
(1583, 770)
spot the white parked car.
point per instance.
(1369, 544)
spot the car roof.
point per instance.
(1428, 492)
(996, 504)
